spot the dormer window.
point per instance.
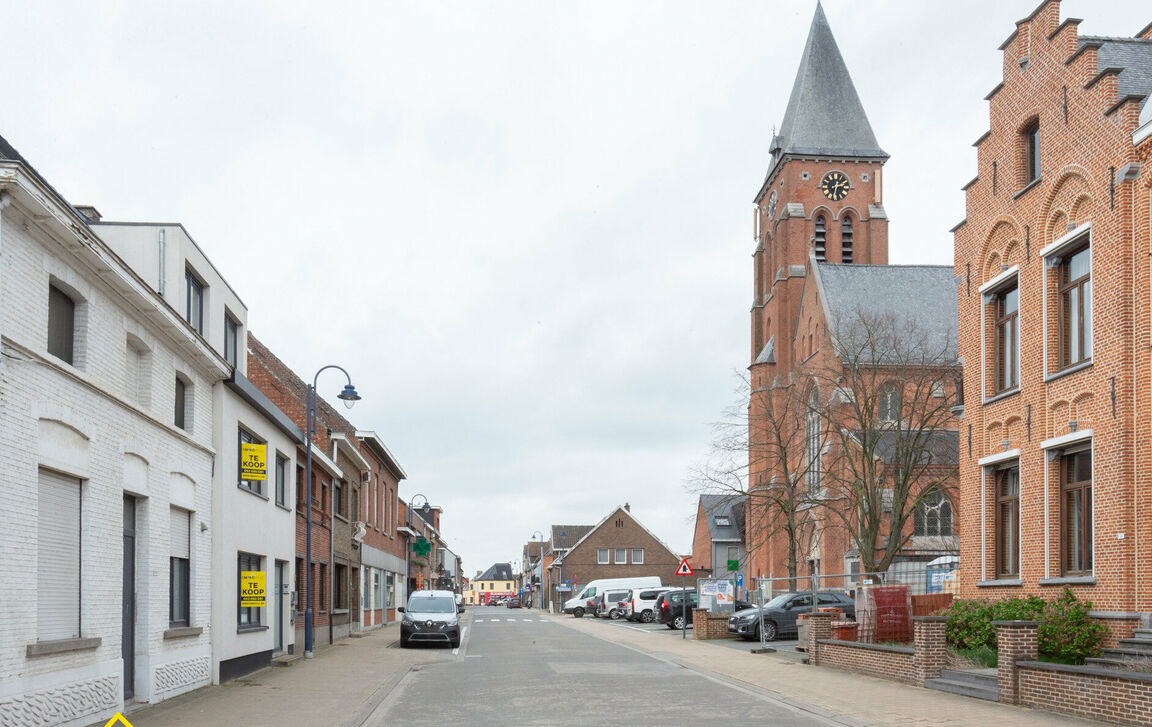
(722, 521)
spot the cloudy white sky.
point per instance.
(523, 227)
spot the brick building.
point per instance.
(616, 547)
(718, 537)
(382, 550)
(821, 267)
(1053, 266)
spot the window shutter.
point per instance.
(58, 558)
(179, 533)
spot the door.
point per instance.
(278, 604)
(798, 605)
(128, 619)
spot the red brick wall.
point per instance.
(887, 662)
(1081, 140)
(1109, 698)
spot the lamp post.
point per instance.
(540, 565)
(349, 397)
(426, 508)
(563, 533)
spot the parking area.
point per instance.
(660, 630)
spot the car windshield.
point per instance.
(431, 604)
(779, 600)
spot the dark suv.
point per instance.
(670, 608)
(778, 617)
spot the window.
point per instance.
(1032, 152)
(1008, 339)
(247, 615)
(299, 487)
(180, 400)
(194, 310)
(733, 555)
(321, 586)
(621, 555)
(256, 486)
(1076, 307)
(61, 324)
(846, 240)
(340, 587)
(338, 497)
(722, 521)
(281, 480)
(300, 606)
(933, 516)
(1008, 521)
(1076, 512)
(179, 560)
(58, 557)
(889, 403)
(820, 238)
(601, 556)
(231, 335)
(812, 443)
(637, 556)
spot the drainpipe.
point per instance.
(5, 200)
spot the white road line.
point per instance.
(479, 621)
(493, 619)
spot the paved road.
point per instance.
(517, 667)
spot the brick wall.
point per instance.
(620, 530)
(1123, 698)
(707, 625)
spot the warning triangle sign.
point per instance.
(684, 569)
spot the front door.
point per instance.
(128, 620)
(278, 605)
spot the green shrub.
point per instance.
(1066, 632)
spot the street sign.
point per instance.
(564, 588)
(739, 580)
(684, 569)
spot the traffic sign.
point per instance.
(739, 580)
(684, 569)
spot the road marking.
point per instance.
(493, 619)
(479, 621)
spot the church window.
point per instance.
(813, 444)
(820, 238)
(933, 516)
(889, 403)
(846, 240)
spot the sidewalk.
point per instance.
(853, 699)
(347, 679)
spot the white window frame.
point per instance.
(990, 291)
(602, 556)
(616, 556)
(637, 560)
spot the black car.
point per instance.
(430, 616)
(670, 608)
(778, 616)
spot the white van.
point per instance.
(575, 605)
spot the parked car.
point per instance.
(640, 603)
(430, 616)
(513, 602)
(589, 607)
(778, 617)
(598, 586)
(610, 604)
(670, 607)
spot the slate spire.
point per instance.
(824, 115)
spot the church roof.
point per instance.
(824, 115)
(923, 296)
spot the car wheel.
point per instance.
(456, 643)
(647, 617)
(678, 623)
(615, 614)
(769, 630)
(578, 612)
(403, 643)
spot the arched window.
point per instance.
(812, 443)
(820, 238)
(846, 240)
(934, 515)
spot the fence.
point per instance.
(921, 578)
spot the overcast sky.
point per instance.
(524, 228)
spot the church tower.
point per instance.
(822, 194)
(821, 198)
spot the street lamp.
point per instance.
(540, 565)
(349, 397)
(425, 508)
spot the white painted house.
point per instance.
(107, 446)
(255, 520)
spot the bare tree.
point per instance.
(758, 452)
(883, 397)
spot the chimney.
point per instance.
(90, 213)
(627, 507)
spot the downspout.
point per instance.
(332, 556)
(5, 200)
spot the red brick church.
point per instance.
(821, 260)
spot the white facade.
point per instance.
(96, 471)
(255, 521)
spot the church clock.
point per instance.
(835, 186)
(772, 199)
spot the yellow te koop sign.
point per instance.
(252, 588)
(253, 461)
